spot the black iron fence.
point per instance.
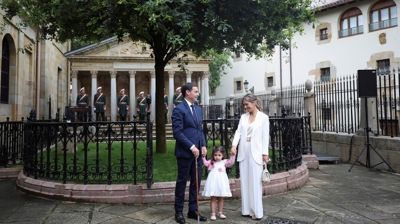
(290, 138)
(388, 102)
(11, 142)
(212, 111)
(122, 152)
(337, 105)
(292, 99)
(89, 152)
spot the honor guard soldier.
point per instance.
(166, 107)
(123, 105)
(178, 97)
(82, 101)
(141, 106)
(99, 104)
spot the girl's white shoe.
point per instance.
(221, 216)
(213, 218)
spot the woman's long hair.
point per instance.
(250, 97)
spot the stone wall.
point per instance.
(25, 57)
(349, 146)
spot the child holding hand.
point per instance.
(217, 183)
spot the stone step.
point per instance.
(168, 131)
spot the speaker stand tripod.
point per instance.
(368, 146)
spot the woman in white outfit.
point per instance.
(253, 133)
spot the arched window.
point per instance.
(5, 72)
(351, 23)
(383, 15)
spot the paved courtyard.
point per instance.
(332, 195)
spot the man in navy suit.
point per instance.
(190, 145)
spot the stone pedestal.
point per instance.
(372, 116)
(311, 161)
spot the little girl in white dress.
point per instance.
(217, 184)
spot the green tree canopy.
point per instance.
(169, 27)
(217, 67)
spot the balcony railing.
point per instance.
(323, 36)
(351, 31)
(383, 24)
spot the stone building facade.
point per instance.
(350, 35)
(32, 73)
(126, 65)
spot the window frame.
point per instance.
(238, 85)
(270, 84)
(237, 54)
(383, 66)
(347, 19)
(323, 34)
(5, 73)
(325, 74)
(376, 21)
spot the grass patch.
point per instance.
(165, 167)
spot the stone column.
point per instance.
(153, 94)
(372, 116)
(200, 83)
(94, 88)
(273, 103)
(74, 76)
(132, 97)
(206, 91)
(188, 76)
(202, 89)
(309, 105)
(171, 92)
(113, 105)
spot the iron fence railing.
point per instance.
(89, 152)
(337, 105)
(290, 137)
(388, 102)
(221, 132)
(107, 152)
(11, 142)
(292, 99)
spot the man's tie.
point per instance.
(194, 113)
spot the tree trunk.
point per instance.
(161, 143)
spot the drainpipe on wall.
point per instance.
(37, 79)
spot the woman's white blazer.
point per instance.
(259, 137)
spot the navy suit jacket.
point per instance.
(186, 131)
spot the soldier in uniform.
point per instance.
(99, 104)
(141, 106)
(82, 101)
(166, 107)
(123, 105)
(178, 97)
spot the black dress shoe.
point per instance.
(193, 215)
(179, 218)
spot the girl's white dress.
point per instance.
(217, 183)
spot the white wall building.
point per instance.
(351, 35)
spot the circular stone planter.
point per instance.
(140, 194)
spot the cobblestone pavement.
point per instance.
(332, 195)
